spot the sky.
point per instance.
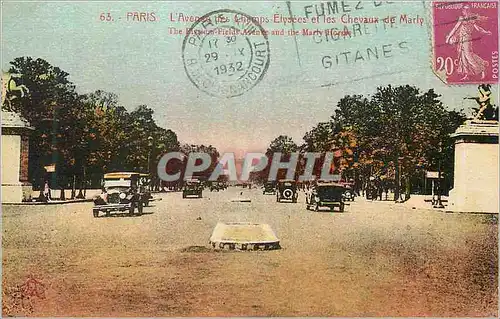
(142, 62)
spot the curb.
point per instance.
(49, 203)
(219, 245)
(469, 212)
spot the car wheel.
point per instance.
(95, 213)
(108, 213)
(342, 207)
(288, 194)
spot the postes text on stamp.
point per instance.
(226, 53)
(465, 42)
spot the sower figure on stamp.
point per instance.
(469, 63)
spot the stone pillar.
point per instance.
(15, 154)
(23, 163)
(476, 179)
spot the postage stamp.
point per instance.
(465, 42)
(226, 53)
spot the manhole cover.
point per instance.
(244, 236)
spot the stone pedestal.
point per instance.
(476, 180)
(15, 153)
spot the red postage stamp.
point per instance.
(465, 42)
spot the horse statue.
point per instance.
(9, 86)
(486, 110)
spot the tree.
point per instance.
(331, 137)
(83, 133)
(398, 128)
(282, 144)
(50, 106)
(187, 149)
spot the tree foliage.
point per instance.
(396, 134)
(84, 133)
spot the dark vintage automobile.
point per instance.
(286, 189)
(121, 192)
(192, 188)
(269, 188)
(217, 186)
(326, 195)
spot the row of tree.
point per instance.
(392, 137)
(85, 135)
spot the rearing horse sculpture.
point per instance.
(10, 86)
(485, 111)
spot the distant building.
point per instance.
(15, 154)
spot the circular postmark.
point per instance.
(225, 53)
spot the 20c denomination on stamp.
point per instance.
(465, 42)
(226, 53)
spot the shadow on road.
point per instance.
(125, 215)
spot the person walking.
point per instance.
(46, 191)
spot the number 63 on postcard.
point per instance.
(465, 42)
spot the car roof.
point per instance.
(121, 174)
(330, 184)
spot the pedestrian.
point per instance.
(46, 191)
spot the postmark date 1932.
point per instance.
(225, 53)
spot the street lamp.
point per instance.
(399, 197)
(52, 123)
(82, 192)
(439, 203)
(150, 158)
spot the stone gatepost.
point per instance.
(15, 152)
(476, 179)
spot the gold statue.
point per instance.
(9, 86)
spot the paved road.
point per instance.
(375, 259)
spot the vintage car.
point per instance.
(192, 187)
(269, 188)
(121, 192)
(286, 189)
(217, 186)
(326, 195)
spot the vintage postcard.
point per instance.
(249, 159)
